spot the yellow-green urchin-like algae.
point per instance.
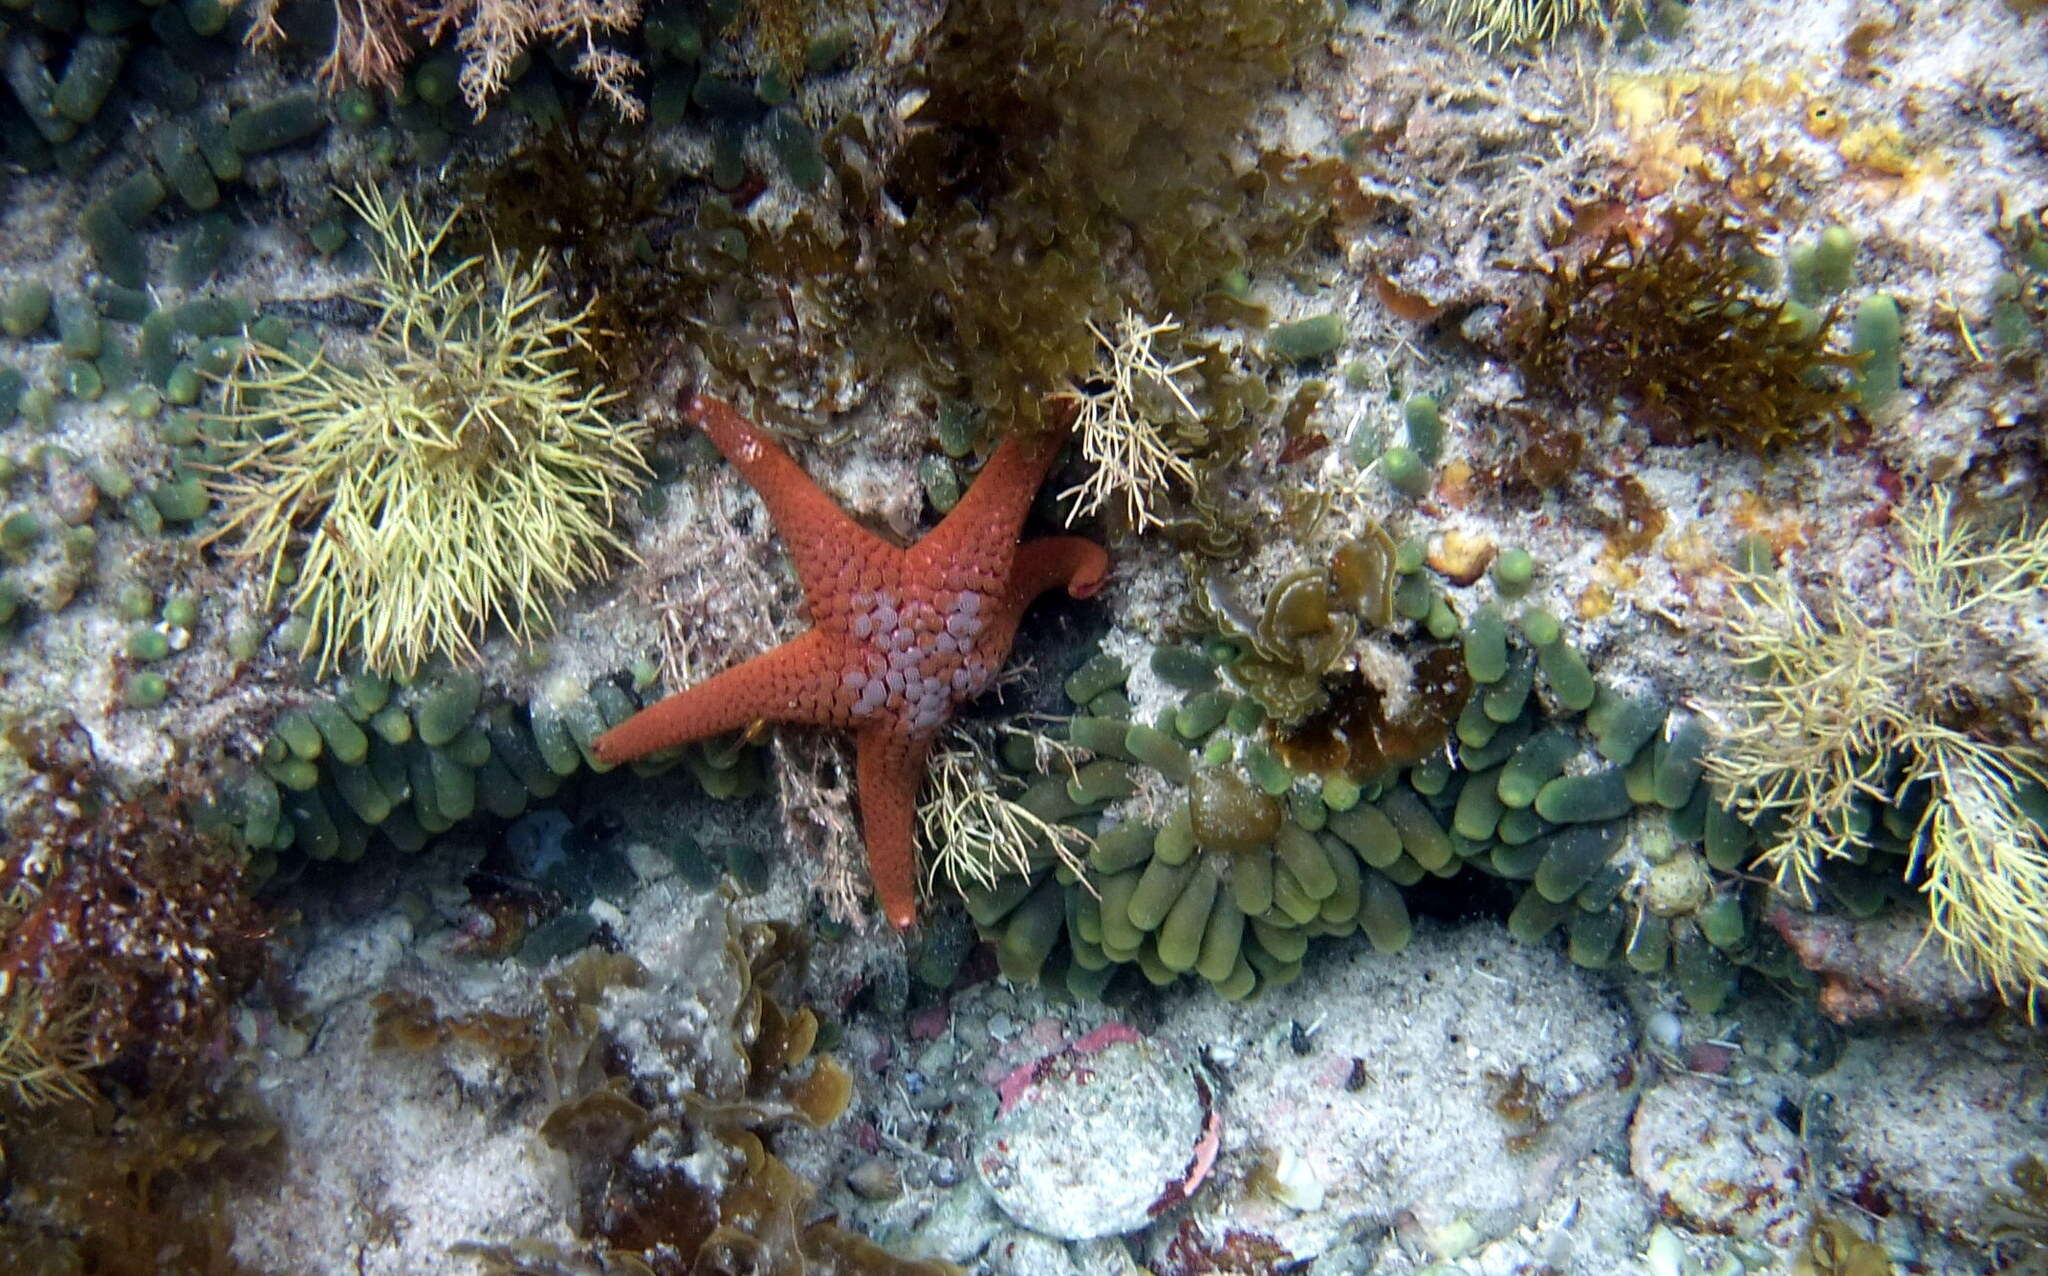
(1853, 710)
(1497, 22)
(456, 473)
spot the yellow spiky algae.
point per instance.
(456, 474)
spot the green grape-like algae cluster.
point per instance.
(369, 765)
(1585, 804)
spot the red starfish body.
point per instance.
(899, 637)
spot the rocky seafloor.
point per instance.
(1410, 918)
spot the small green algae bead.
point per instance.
(1486, 646)
(1876, 336)
(1340, 792)
(295, 730)
(19, 530)
(1103, 780)
(356, 107)
(1569, 678)
(1184, 667)
(1160, 751)
(1536, 762)
(1200, 714)
(1409, 556)
(446, 712)
(344, 739)
(82, 381)
(1441, 622)
(393, 726)
(1570, 857)
(148, 645)
(1721, 921)
(940, 482)
(181, 611)
(1182, 930)
(328, 236)
(117, 249)
(1679, 758)
(145, 402)
(1622, 725)
(38, 406)
(1704, 976)
(133, 602)
(1585, 799)
(1306, 339)
(274, 124)
(1383, 914)
(26, 308)
(1540, 627)
(437, 80)
(1425, 426)
(181, 500)
(1513, 570)
(1158, 887)
(1366, 830)
(1422, 837)
(145, 689)
(79, 331)
(184, 386)
(1102, 672)
(1405, 471)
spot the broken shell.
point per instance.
(1461, 557)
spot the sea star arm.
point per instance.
(1074, 563)
(1050, 562)
(822, 539)
(795, 682)
(890, 767)
(981, 530)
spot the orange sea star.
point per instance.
(899, 637)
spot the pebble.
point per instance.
(1094, 1142)
(1665, 1030)
(1717, 1158)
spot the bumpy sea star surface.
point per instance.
(899, 639)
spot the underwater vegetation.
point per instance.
(671, 1175)
(125, 934)
(1864, 724)
(1050, 150)
(1498, 22)
(453, 475)
(1667, 318)
(1130, 406)
(375, 39)
(1226, 839)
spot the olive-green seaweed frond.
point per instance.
(454, 474)
(1850, 703)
